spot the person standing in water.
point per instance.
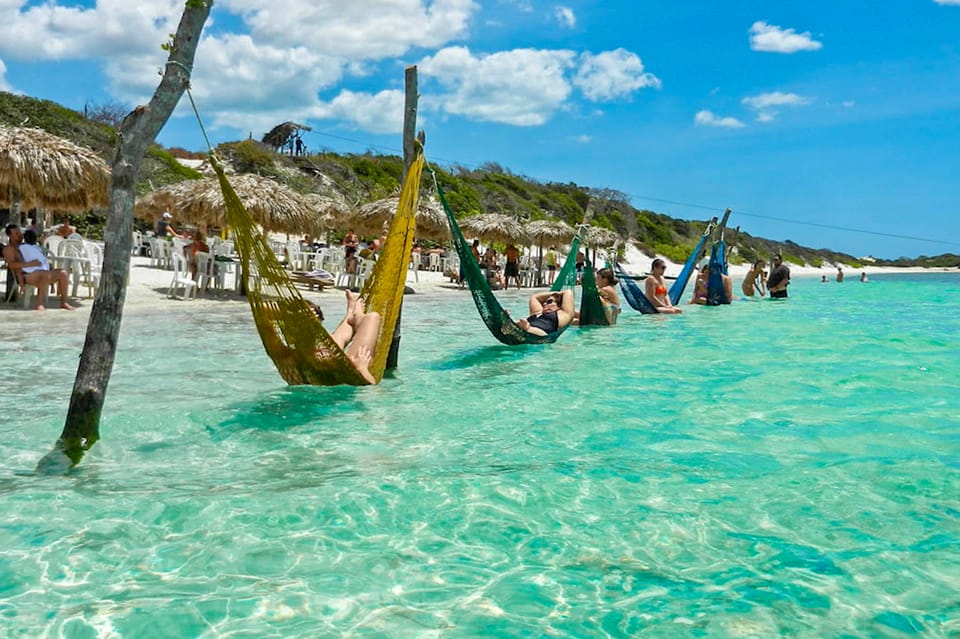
(753, 282)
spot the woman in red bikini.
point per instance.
(656, 285)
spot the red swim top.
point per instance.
(660, 290)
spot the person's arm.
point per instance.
(12, 256)
(650, 288)
(728, 287)
(566, 311)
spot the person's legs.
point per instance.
(345, 330)
(62, 279)
(366, 332)
(40, 279)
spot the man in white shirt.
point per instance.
(31, 266)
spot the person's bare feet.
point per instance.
(39, 307)
(352, 299)
(67, 307)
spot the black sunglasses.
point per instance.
(550, 300)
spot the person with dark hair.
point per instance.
(512, 268)
(549, 312)
(30, 265)
(656, 288)
(779, 278)
(608, 294)
(754, 280)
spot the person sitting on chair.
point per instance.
(25, 258)
(356, 334)
(549, 312)
(196, 246)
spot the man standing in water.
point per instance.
(779, 278)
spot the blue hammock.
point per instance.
(718, 268)
(635, 296)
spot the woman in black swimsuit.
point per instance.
(549, 312)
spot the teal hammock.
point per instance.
(497, 320)
(591, 306)
(718, 264)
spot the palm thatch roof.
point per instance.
(494, 227)
(332, 213)
(431, 220)
(39, 169)
(599, 237)
(270, 204)
(548, 232)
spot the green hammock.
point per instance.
(591, 306)
(498, 321)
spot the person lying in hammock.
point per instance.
(549, 312)
(356, 335)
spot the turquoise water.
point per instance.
(764, 469)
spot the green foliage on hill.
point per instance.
(489, 188)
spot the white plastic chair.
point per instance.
(52, 244)
(434, 262)
(181, 278)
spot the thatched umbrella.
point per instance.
(431, 220)
(548, 232)
(494, 227)
(39, 169)
(331, 212)
(270, 204)
(599, 237)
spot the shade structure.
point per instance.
(599, 237)
(494, 227)
(271, 205)
(331, 213)
(39, 169)
(550, 232)
(431, 220)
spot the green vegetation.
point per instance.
(490, 188)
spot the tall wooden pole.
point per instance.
(411, 97)
(137, 133)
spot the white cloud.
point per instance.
(584, 139)
(708, 118)
(565, 16)
(378, 113)
(948, 2)
(612, 74)
(765, 103)
(775, 99)
(521, 87)
(372, 29)
(771, 38)
(849, 104)
(4, 86)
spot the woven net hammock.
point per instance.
(302, 350)
(497, 320)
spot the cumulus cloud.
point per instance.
(521, 87)
(584, 139)
(375, 112)
(708, 118)
(771, 38)
(565, 16)
(612, 74)
(948, 2)
(372, 29)
(849, 104)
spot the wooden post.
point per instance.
(411, 98)
(137, 133)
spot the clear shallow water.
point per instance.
(759, 470)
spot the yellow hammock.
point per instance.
(294, 338)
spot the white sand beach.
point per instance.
(148, 287)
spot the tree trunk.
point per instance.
(411, 98)
(137, 133)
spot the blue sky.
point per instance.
(803, 117)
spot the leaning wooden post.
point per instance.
(409, 139)
(137, 133)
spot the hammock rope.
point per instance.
(497, 320)
(292, 334)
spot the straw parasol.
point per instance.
(330, 212)
(39, 169)
(431, 220)
(494, 227)
(599, 237)
(549, 232)
(273, 206)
